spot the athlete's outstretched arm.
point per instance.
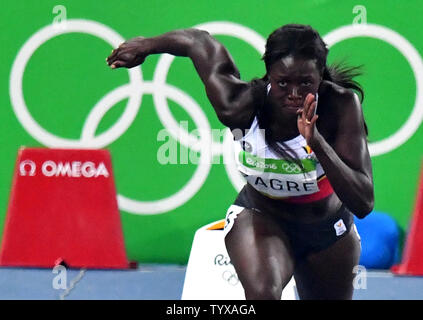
(232, 99)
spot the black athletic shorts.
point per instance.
(304, 238)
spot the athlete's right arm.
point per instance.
(232, 98)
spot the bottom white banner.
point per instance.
(210, 275)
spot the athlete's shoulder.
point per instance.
(339, 96)
(333, 90)
(246, 116)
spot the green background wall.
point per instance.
(67, 76)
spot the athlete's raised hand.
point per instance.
(307, 118)
(129, 54)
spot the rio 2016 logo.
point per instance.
(161, 91)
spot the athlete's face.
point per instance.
(291, 79)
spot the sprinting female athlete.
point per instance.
(303, 151)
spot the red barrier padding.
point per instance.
(412, 259)
(63, 207)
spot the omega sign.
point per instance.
(73, 169)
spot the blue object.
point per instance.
(379, 234)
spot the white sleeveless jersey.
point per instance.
(271, 175)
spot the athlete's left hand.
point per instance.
(307, 118)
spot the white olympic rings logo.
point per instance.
(291, 168)
(162, 91)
